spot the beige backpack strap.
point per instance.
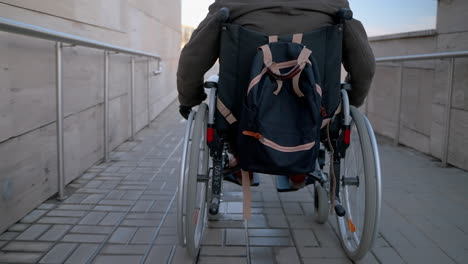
(272, 39)
(267, 56)
(297, 38)
(247, 195)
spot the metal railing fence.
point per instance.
(60, 38)
(447, 111)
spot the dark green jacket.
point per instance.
(273, 17)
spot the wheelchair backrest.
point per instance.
(238, 48)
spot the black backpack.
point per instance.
(282, 114)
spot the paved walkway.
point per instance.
(124, 212)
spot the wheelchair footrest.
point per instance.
(233, 178)
(283, 184)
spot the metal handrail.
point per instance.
(447, 112)
(16, 27)
(430, 56)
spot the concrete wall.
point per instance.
(27, 89)
(425, 86)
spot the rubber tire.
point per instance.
(321, 204)
(198, 134)
(371, 162)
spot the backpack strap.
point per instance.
(247, 196)
(230, 118)
(272, 39)
(297, 38)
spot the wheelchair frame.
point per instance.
(355, 245)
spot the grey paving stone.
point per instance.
(112, 219)
(277, 221)
(18, 227)
(8, 236)
(270, 241)
(75, 198)
(286, 256)
(322, 252)
(47, 206)
(82, 254)
(59, 253)
(269, 232)
(111, 208)
(19, 257)
(55, 233)
(224, 260)
(115, 195)
(213, 237)
(33, 232)
(92, 218)
(145, 216)
(143, 236)
(262, 255)
(223, 251)
(122, 235)
(142, 206)
(78, 207)
(293, 208)
(58, 220)
(140, 222)
(132, 195)
(118, 259)
(33, 216)
(93, 198)
(124, 250)
(159, 254)
(181, 256)
(79, 238)
(66, 213)
(327, 261)
(116, 202)
(166, 240)
(28, 246)
(305, 238)
(423, 255)
(88, 229)
(235, 237)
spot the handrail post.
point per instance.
(448, 113)
(148, 92)
(132, 98)
(59, 110)
(106, 106)
(398, 108)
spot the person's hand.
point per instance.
(185, 111)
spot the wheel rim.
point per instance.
(353, 197)
(196, 187)
(362, 203)
(182, 193)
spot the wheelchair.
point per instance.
(351, 190)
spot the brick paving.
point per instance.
(124, 212)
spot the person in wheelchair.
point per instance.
(273, 18)
(278, 107)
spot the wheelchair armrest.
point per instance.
(346, 86)
(211, 82)
(345, 14)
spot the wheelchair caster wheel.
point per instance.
(321, 204)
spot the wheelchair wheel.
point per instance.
(360, 189)
(321, 205)
(193, 182)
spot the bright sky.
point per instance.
(379, 17)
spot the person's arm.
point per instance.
(196, 58)
(358, 60)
